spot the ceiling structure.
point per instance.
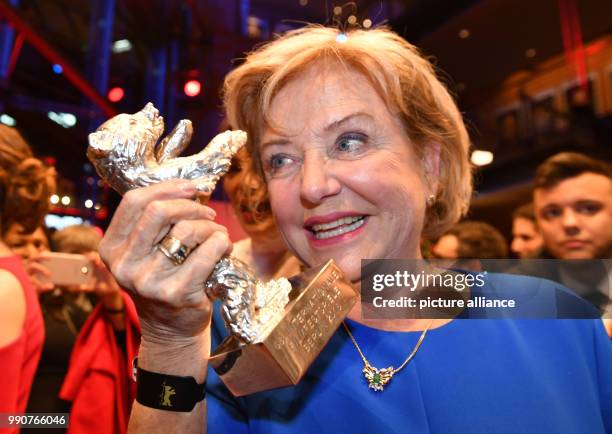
(500, 34)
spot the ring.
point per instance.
(174, 250)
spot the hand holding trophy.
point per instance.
(277, 328)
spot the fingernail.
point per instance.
(187, 186)
(212, 213)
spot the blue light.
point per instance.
(341, 38)
(57, 68)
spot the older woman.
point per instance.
(363, 151)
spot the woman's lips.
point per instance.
(336, 231)
(328, 218)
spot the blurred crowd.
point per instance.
(68, 348)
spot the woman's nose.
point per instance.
(30, 251)
(319, 180)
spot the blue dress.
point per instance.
(469, 376)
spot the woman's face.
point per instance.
(343, 179)
(26, 245)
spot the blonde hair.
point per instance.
(25, 183)
(405, 80)
(252, 192)
(76, 239)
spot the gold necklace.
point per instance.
(378, 378)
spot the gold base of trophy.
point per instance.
(319, 300)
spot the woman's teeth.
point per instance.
(337, 227)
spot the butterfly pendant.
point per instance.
(377, 378)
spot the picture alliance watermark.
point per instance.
(486, 289)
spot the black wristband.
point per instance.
(167, 392)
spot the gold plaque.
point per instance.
(319, 300)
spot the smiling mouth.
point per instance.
(337, 227)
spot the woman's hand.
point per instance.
(39, 274)
(107, 290)
(103, 284)
(173, 308)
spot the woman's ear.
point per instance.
(431, 166)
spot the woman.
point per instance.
(31, 248)
(93, 333)
(264, 250)
(25, 187)
(363, 151)
(65, 311)
(26, 245)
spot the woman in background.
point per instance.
(64, 310)
(27, 245)
(264, 250)
(31, 247)
(75, 353)
(25, 187)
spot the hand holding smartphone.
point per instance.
(67, 269)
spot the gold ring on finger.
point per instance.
(174, 249)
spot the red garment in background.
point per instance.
(19, 359)
(98, 381)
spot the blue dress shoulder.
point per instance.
(469, 376)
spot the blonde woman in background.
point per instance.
(264, 250)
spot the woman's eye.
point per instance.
(277, 163)
(351, 143)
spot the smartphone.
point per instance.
(67, 268)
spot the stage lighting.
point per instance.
(121, 46)
(66, 120)
(192, 88)
(481, 158)
(341, 37)
(116, 94)
(8, 120)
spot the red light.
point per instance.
(192, 88)
(116, 94)
(102, 213)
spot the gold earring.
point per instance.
(431, 199)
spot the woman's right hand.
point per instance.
(172, 306)
(39, 274)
